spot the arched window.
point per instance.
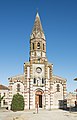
(33, 46)
(34, 81)
(38, 45)
(18, 87)
(42, 80)
(43, 47)
(58, 88)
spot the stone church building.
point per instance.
(38, 85)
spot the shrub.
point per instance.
(17, 102)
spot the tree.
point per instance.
(17, 102)
(1, 98)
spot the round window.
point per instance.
(38, 70)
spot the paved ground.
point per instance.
(42, 115)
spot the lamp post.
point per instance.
(37, 107)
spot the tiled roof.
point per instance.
(58, 77)
(2, 87)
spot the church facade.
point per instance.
(38, 85)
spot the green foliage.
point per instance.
(17, 102)
(1, 98)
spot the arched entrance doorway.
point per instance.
(38, 98)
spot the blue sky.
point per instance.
(59, 21)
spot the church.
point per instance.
(37, 84)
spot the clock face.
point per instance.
(38, 70)
(38, 54)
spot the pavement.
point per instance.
(41, 115)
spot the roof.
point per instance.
(37, 31)
(58, 77)
(2, 87)
(16, 78)
(37, 24)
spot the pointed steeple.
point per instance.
(37, 42)
(37, 24)
(37, 29)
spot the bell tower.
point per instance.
(37, 43)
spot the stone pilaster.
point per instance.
(31, 89)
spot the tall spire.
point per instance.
(37, 24)
(37, 29)
(37, 42)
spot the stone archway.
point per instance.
(38, 98)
